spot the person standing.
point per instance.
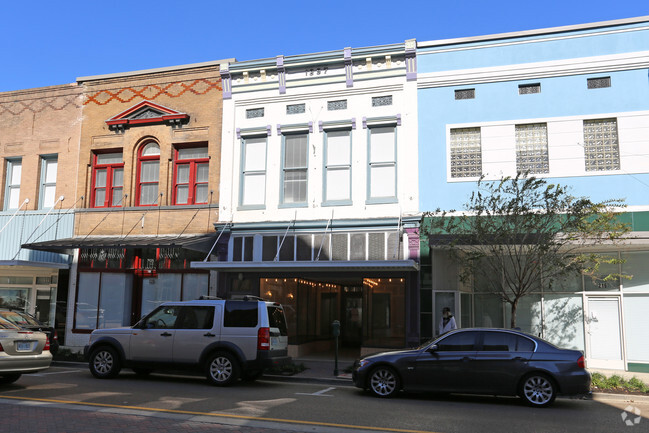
(448, 321)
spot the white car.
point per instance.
(21, 351)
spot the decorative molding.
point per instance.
(38, 105)
(261, 130)
(146, 113)
(191, 134)
(411, 60)
(153, 91)
(536, 70)
(385, 120)
(351, 123)
(226, 79)
(281, 129)
(349, 64)
(281, 75)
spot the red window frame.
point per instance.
(192, 183)
(141, 158)
(110, 168)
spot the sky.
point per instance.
(46, 43)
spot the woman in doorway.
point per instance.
(448, 321)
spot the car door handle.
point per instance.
(209, 334)
(166, 334)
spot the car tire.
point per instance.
(384, 382)
(251, 375)
(104, 363)
(9, 378)
(538, 390)
(222, 369)
(141, 371)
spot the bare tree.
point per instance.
(519, 233)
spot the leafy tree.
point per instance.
(518, 233)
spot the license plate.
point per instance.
(274, 341)
(24, 346)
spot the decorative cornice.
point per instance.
(294, 128)
(349, 73)
(411, 60)
(146, 113)
(226, 80)
(523, 71)
(260, 130)
(351, 123)
(385, 120)
(281, 75)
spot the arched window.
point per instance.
(148, 174)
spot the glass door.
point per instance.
(443, 300)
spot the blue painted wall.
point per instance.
(500, 101)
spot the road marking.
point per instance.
(319, 393)
(213, 414)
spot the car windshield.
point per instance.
(19, 319)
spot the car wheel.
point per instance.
(222, 369)
(384, 382)
(140, 371)
(104, 363)
(251, 375)
(9, 378)
(538, 390)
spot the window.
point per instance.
(459, 342)
(528, 89)
(195, 317)
(382, 162)
(148, 174)
(47, 194)
(240, 314)
(108, 180)
(253, 173)
(163, 318)
(294, 176)
(532, 148)
(191, 168)
(295, 108)
(338, 166)
(12, 186)
(380, 101)
(601, 147)
(599, 82)
(337, 105)
(466, 152)
(254, 113)
(465, 94)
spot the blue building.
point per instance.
(571, 105)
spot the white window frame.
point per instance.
(12, 190)
(378, 164)
(43, 201)
(245, 173)
(336, 167)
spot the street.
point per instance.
(68, 398)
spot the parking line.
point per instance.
(216, 415)
(55, 372)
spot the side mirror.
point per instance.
(433, 348)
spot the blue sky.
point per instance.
(53, 42)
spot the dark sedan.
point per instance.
(478, 361)
(27, 321)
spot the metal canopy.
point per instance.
(200, 243)
(310, 266)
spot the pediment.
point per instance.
(146, 113)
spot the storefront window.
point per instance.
(103, 300)
(13, 297)
(528, 314)
(384, 301)
(564, 320)
(635, 264)
(488, 311)
(596, 282)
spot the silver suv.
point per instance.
(228, 339)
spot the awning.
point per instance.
(200, 243)
(310, 266)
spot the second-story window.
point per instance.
(294, 173)
(148, 174)
(107, 180)
(47, 195)
(382, 163)
(253, 171)
(191, 170)
(12, 186)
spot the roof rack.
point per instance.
(209, 298)
(247, 298)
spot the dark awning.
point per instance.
(200, 243)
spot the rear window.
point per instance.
(240, 314)
(18, 319)
(276, 319)
(7, 325)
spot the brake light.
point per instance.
(2, 349)
(56, 335)
(47, 344)
(263, 339)
(581, 362)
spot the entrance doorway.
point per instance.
(604, 337)
(351, 324)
